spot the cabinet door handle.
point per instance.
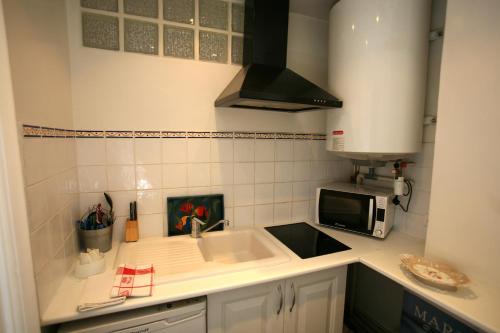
(293, 297)
(281, 299)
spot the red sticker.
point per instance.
(340, 132)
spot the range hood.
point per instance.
(264, 82)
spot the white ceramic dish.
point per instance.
(434, 273)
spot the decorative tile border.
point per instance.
(49, 132)
(284, 136)
(173, 135)
(222, 135)
(244, 135)
(265, 135)
(199, 135)
(303, 136)
(147, 134)
(119, 134)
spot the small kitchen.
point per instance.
(249, 166)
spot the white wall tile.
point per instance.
(264, 150)
(221, 150)
(227, 191)
(37, 204)
(244, 173)
(318, 170)
(416, 225)
(91, 151)
(283, 172)
(39, 247)
(244, 195)
(284, 150)
(148, 151)
(151, 225)
(301, 191)
(302, 150)
(300, 211)
(148, 176)
(222, 173)
(244, 150)
(119, 229)
(121, 201)
(283, 192)
(282, 213)
(243, 217)
(229, 215)
(174, 150)
(264, 172)
(92, 178)
(318, 150)
(264, 193)
(198, 174)
(301, 171)
(198, 150)
(149, 202)
(121, 178)
(174, 175)
(119, 151)
(201, 190)
(35, 163)
(264, 215)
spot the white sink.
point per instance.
(234, 247)
(218, 252)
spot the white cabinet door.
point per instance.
(255, 309)
(315, 302)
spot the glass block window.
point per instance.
(178, 42)
(213, 14)
(100, 31)
(109, 5)
(213, 46)
(141, 36)
(146, 8)
(181, 11)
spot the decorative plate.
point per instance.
(180, 211)
(433, 273)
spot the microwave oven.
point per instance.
(364, 210)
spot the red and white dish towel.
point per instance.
(128, 281)
(133, 281)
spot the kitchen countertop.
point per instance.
(477, 304)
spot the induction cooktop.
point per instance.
(305, 240)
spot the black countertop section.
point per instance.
(305, 240)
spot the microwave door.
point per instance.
(349, 211)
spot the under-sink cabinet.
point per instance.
(304, 304)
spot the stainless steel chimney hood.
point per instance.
(264, 82)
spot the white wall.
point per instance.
(120, 90)
(39, 60)
(464, 223)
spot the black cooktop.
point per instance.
(305, 240)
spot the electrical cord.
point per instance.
(408, 194)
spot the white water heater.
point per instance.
(377, 67)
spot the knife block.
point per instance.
(132, 231)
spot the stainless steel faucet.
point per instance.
(196, 224)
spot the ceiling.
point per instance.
(315, 8)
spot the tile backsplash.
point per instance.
(264, 179)
(51, 187)
(208, 30)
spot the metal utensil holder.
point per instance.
(96, 239)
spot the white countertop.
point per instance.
(478, 304)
